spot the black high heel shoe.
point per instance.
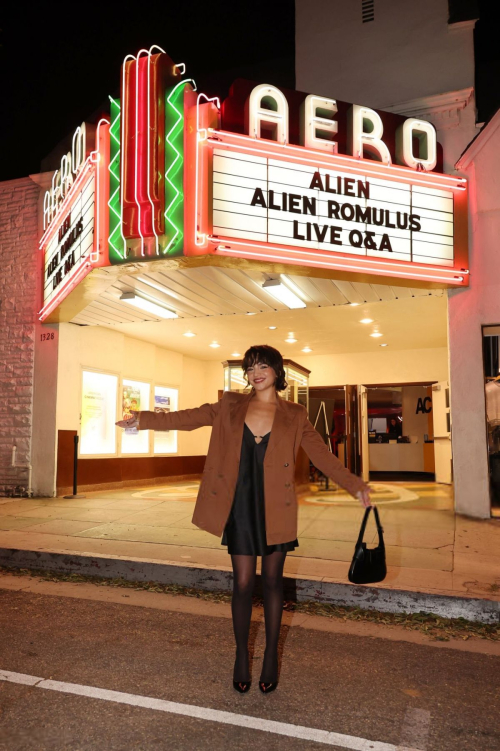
(266, 687)
(242, 686)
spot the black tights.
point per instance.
(241, 608)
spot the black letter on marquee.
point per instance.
(335, 238)
(355, 235)
(273, 205)
(320, 233)
(308, 205)
(258, 199)
(369, 241)
(317, 182)
(333, 210)
(364, 216)
(363, 189)
(386, 243)
(415, 222)
(296, 235)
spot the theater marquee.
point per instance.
(267, 200)
(275, 179)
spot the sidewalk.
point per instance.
(430, 550)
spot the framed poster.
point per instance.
(135, 397)
(97, 428)
(166, 400)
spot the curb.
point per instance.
(296, 589)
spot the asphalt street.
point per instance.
(142, 672)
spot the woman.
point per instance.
(247, 491)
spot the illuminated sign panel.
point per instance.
(71, 246)
(267, 191)
(75, 221)
(272, 201)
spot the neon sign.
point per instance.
(273, 185)
(75, 240)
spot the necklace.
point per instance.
(260, 437)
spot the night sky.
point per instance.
(57, 70)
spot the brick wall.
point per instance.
(18, 303)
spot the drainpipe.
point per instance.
(22, 466)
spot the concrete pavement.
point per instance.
(357, 686)
(430, 550)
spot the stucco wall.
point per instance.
(469, 310)
(408, 51)
(398, 366)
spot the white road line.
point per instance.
(415, 731)
(204, 713)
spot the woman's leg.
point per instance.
(241, 608)
(272, 579)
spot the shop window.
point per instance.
(367, 10)
(166, 400)
(135, 397)
(491, 348)
(98, 416)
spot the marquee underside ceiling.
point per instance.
(210, 291)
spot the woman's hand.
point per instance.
(132, 422)
(363, 497)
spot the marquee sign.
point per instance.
(279, 178)
(75, 218)
(266, 199)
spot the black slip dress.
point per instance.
(245, 530)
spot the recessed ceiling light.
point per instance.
(144, 303)
(214, 344)
(290, 340)
(249, 314)
(307, 349)
(236, 354)
(282, 293)
(383, 345)
(272, 328)
(366, 320)
(188, 333)
(354, 304)
(376, 334)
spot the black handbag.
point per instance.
(368, 564)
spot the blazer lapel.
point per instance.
(237, 415)
(282, 419)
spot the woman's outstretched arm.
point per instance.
(183, 419)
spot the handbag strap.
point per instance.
(364, 523)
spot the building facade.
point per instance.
(335, 231)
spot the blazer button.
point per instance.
(286, 465)
(220, 475)
(287, 484)
(214, 492)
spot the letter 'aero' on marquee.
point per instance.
(274, 177)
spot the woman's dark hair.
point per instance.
(266, 355)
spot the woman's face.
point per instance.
(261, 376)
